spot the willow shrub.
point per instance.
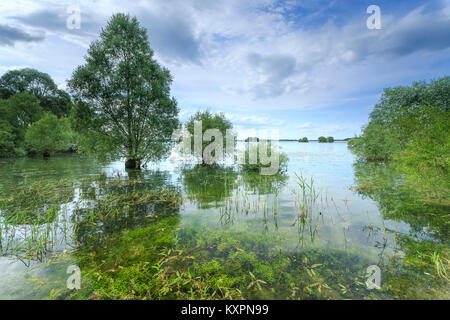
(283, 160)
(425, 158)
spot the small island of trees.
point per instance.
(323, 139)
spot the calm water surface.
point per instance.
(337, 219)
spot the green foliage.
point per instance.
(49, 134)
(304, 139)
(323, 139)
(394, 119)
(58, 103)
(6, 139)
(400, 103)
(373, 145)
(283, 160)
(31, 80)
(425, 158)
(40, 85)
(123, 104)
(209, 121)
(410, 125)
(26, 94)
(21, 110)
(17, 114)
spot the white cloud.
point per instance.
(254, 120)
(304, 125)
(251, 56)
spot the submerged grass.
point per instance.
(44, 217)
(129, 242)
(193, 264)
(34, 202)
(32, 218)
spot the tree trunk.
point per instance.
(133, 164)
(46, 155)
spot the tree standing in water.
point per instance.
(123, 105)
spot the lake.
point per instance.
(308, 233)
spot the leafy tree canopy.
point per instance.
(209, 121)
(49, 134)
(123, 104)
(31, 80)
(21, 110)
(7, 146)
(397, 118)
(39, 84)
(406, 101)
(283, 161)
(17, 114)
(410, 125)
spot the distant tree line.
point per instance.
(320, 139)
(323, 139)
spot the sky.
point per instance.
(303, 68)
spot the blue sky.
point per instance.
(305, 68)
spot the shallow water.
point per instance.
(338, 229)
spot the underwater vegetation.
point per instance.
(221, 233)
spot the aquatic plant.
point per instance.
(283, 160)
